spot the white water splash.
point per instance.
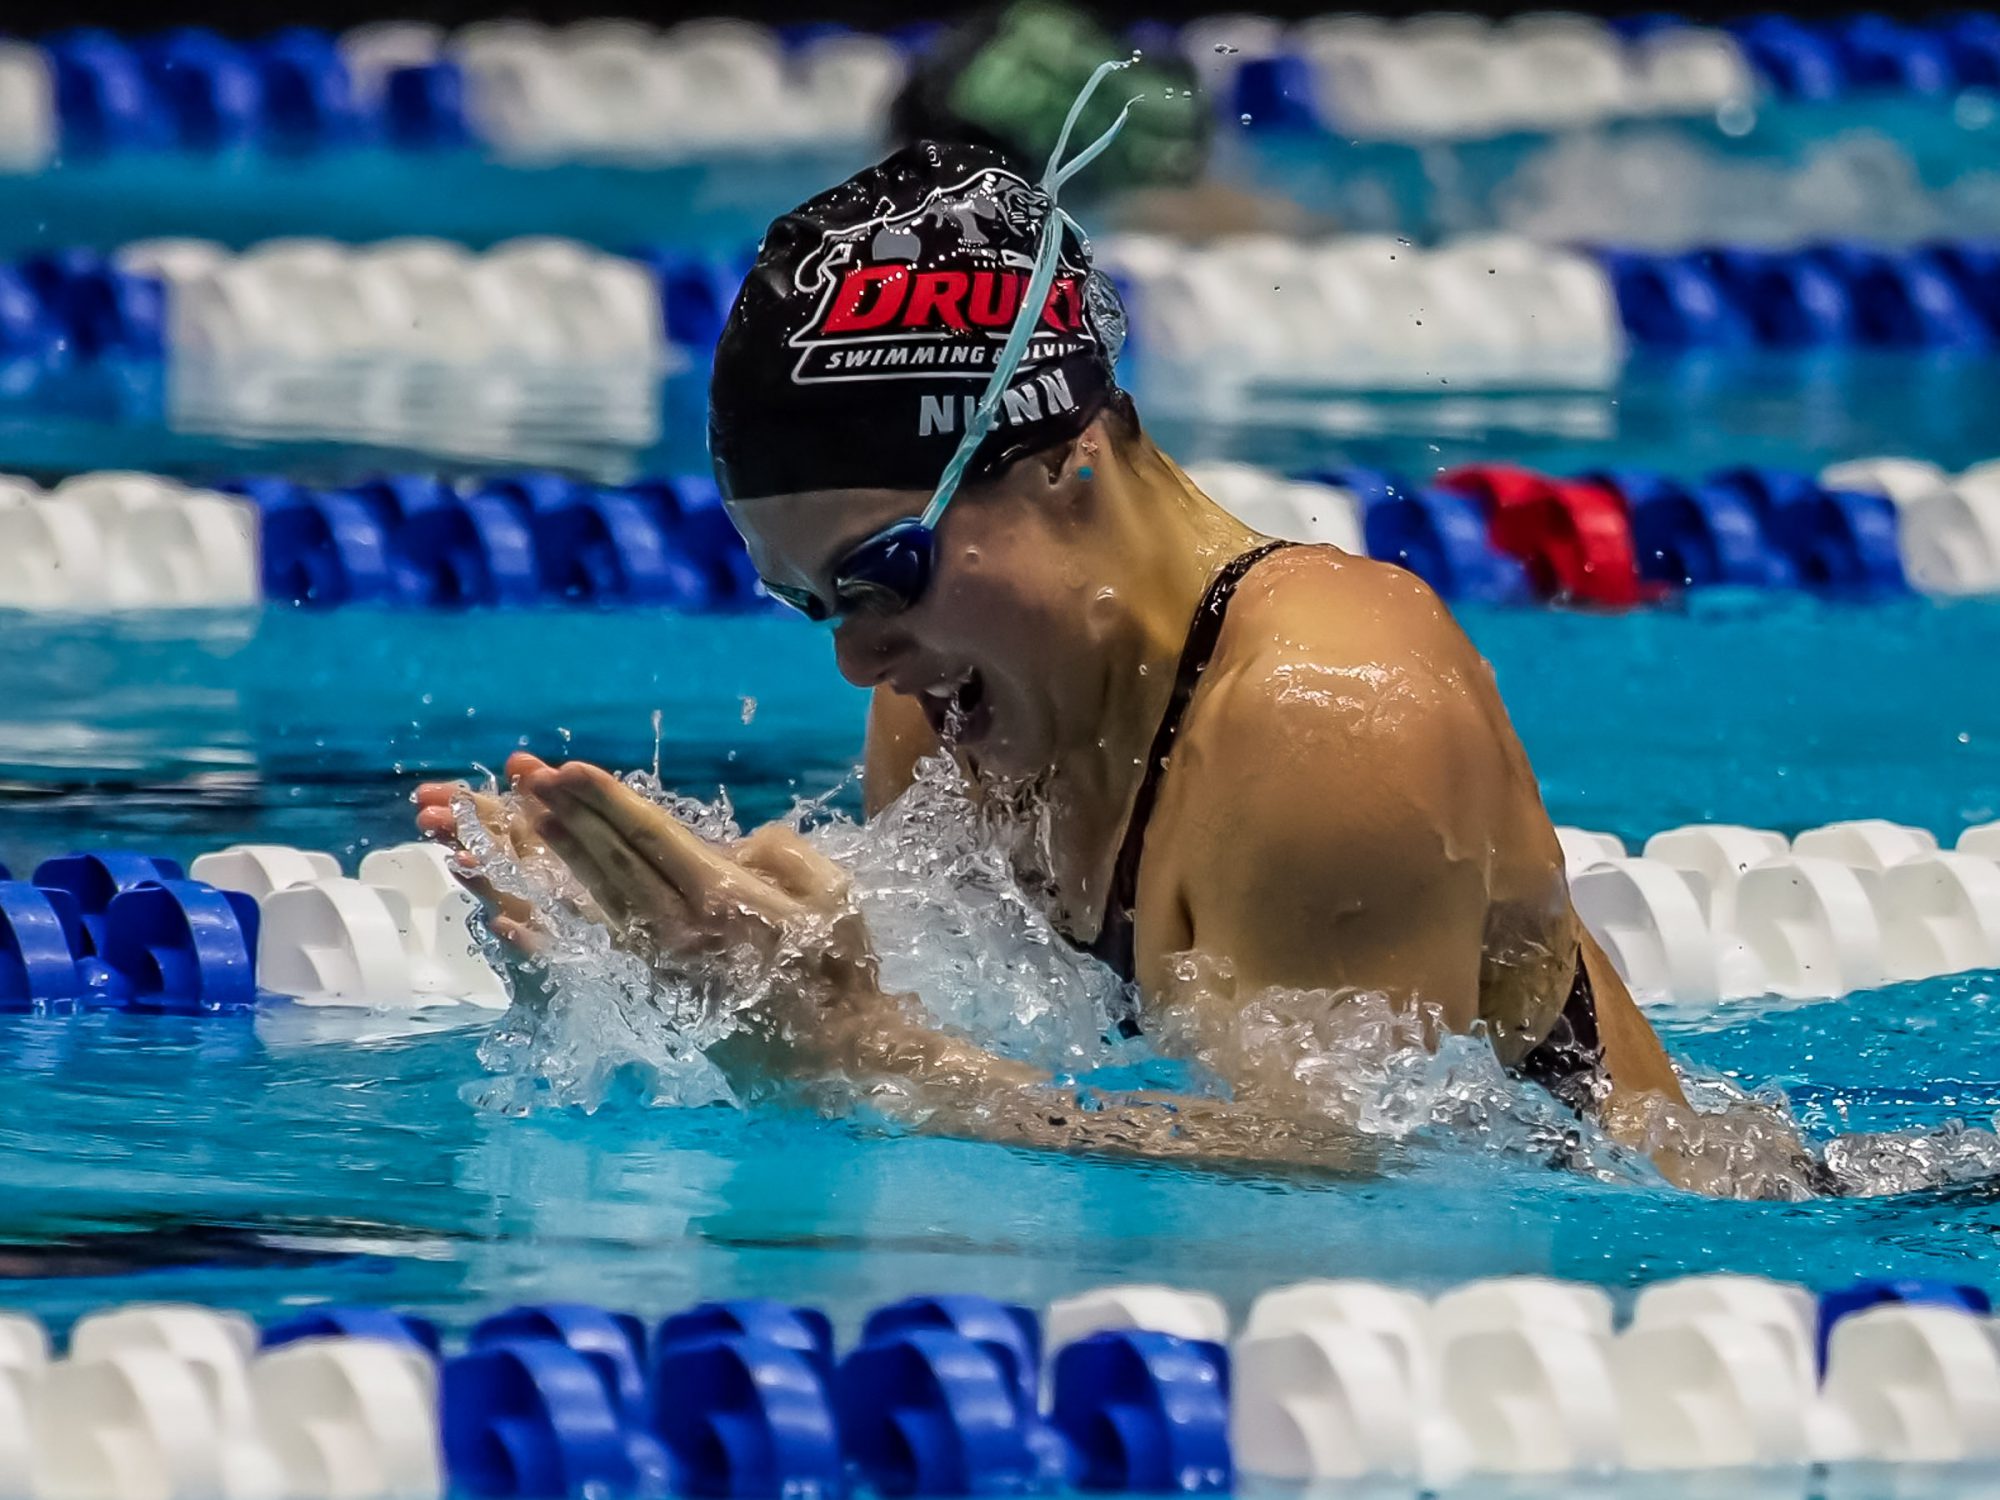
(935, 878)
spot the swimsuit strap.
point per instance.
(1115, 935)
(1569, 1061)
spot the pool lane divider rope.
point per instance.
(636, 94)
(1874, 529)
(1707, 915)
(1143, 1392)
(1345, 312)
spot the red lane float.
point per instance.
(1573, 536)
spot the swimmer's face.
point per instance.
(982, 650)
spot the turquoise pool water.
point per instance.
(270, 1163)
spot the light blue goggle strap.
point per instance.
(985, 416)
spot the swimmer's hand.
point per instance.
(674, 896)
(509, 824)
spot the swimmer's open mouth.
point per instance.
(959, 714)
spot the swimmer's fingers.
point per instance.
(627, 888)
(782, 856)
(521, 765)
(523, 937)
(509, 824)
(677, 854)
(439, 814)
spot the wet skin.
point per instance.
(1346, 807)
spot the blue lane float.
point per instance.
(744, 1418)
(420, 541)
(535, 1419)
(125, 931)
(423, 108)
(1940, 297)
(44, 954)
(192, 89)
(1145, 1411)
(1835, 541)
(94, 879)
(927, 1411)
(1010, 1332)
(319, 548)
(182, 946)
(1691, 537)
(806, 1331)
(614, 1342)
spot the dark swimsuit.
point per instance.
(1568, 1062)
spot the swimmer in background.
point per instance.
(1263, 768)
(1004, 77)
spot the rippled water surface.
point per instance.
(297, 1157)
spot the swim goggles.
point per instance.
(890, 570)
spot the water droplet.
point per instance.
(1243, 119)
(749, 709)
(428, 698)
(1736, 118)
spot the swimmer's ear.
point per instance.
(1054, 464)
(1069, 465)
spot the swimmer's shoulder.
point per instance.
(1310, 826)
(1345, 692)
(1342, 699)
(1378, 633)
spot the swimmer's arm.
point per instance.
(940, 1084)
(898, 737)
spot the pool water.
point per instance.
(300, 1157)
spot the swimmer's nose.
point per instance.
(867, 648)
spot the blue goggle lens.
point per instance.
(884, 575)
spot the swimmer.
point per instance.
(1263, 767)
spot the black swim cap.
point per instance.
(867, 330)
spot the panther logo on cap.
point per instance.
(932, 291)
